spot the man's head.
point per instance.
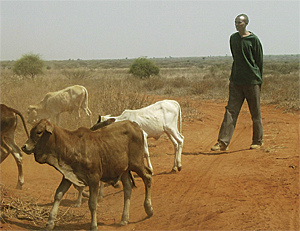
(241, 21)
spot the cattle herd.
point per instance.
(107, 152)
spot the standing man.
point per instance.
(245, 83)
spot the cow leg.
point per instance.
(127, 188)
(177, 140)
(3, 154)
(146, 151)
(147, 156)
(82, 193)
(175, 144)
(77, 116)
(101, 191)
(93, 204)
(84, 106)
(147, 203)
(146, 175)
(5, 150)
(79, 198)
(17, 154)
(180, 146)
(10, 146)
(89, 113)
(60, 192)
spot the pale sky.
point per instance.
(61, 30)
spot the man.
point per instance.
(245, 83)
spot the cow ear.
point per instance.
(49, 127)
(31, 107)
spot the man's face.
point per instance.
(240, 23)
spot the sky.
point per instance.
(62, 30)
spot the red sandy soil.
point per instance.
(240, 189)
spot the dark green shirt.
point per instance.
(247, 53)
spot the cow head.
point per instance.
(100, 124)
(32, 114)
(39, 135)
(104, 118)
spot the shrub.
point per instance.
(143, 68)
(74, 74)
(29, 65)
(153, 83)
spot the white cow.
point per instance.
(69, 99)
(156, 119)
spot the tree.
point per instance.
(29, 65)
(143, 68)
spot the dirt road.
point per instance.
(239, 189)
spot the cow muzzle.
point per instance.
(25, 148)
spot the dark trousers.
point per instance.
(237, 95)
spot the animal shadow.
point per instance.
(64, 203)
(166, 173)
(211, 153)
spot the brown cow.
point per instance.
(101, 189)
(8, 144)
(85, 157)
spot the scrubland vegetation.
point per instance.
(112, 88)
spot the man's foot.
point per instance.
(219, 146)
(256, 146)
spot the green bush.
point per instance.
(29, 65)
(143, 68)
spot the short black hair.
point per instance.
(245, 16)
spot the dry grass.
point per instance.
(112, 89)
(13, 207)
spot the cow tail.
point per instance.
(22, 118)
(180, 120)
(132, 179)
(86, 100)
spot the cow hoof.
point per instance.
(19, 186)
(93, 227)
(173, 171)
(49, 227)
(149, 212)
(179, 168)
(123, 223)
(148, 208)
(77, 205)
(117, 185)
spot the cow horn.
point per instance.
(99, 119)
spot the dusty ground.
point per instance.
(239, 189)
